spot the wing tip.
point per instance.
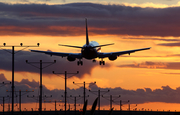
(29, 49)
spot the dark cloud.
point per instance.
(170, 44)
(2, 77)
(154, 65)
(24, 0)
(61, 65)
(32, 84)
(68, 20)
(159, 39)
(164, 94)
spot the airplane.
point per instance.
(90, 51)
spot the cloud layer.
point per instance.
(154, 65)
(163, 94)
(68, 20)
(60, 66)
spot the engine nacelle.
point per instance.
(112, 57)
(69, 58)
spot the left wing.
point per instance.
(74, 55)
(104, 55)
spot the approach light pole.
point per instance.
(37, 97)
(55, 103)
(112, 99)
(40, 68)
(122, 104)
(3, 99)
(75, 99)
(20, 97)
(13, 52)
(65, 93)
(84, 88)
(99, 93)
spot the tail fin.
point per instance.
(87, 39)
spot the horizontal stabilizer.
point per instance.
(103, 45)
(70, 46)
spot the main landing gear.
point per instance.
(102, 62)
(79, 62)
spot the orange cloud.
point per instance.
(154, 65)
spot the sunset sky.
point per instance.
(148, 78)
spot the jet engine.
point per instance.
(112, 57)
(69, 58)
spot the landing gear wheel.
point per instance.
(103, 62)
(79, 63)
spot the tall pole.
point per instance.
(3, 105)
(99, 99)
(9, 107)
(111, 102)
(19, 100)
(75, 102)
(20, 94)
(65, 93)
(65, 89)
(12, 80)
(21, 45)
(40, 96)
(84, 88)
(75, 105)
(55, 105)
(120, 105)
(84, 92)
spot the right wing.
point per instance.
(74, 55)
(104, 55)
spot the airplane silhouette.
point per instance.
(90, 51)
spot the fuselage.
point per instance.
(89, 51)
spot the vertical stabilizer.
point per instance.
(87, 39)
